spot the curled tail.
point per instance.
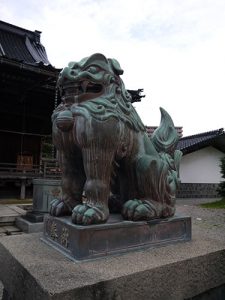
(165, 137)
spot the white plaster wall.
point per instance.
(201, 166)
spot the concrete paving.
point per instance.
(9, 212)
(8, 215)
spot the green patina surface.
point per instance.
(105, 150)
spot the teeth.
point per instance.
(84, 85)
(79, 88)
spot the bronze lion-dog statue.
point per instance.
(104, 151)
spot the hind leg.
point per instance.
(154, 198)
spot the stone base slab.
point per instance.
(114, 237)
(28, 226)
(35, 217)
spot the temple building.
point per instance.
(27, 99)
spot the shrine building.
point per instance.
(27, 99)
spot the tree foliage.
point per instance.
(221, 187)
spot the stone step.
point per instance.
(9, 213)
(9, 230)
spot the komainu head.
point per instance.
(95, 87)
(89, 78)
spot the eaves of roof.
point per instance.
(215, 138)
(22, 46)
(39, 68)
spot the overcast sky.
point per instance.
(174, 49)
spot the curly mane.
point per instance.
(114, 103)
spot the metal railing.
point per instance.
(48, 168)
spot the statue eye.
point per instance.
(92, 69)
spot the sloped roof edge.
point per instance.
(20, 31)
(22, 45)
(215, 138)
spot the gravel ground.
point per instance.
(195, 201)
(209, 221)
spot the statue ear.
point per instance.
(115, 66)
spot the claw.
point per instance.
(86, 215)
(137, 210)
(53, 205)
(59, 208)
(129, 206)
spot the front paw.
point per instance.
(138, 210)
(84, 214)
(59, 208)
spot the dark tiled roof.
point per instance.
(151, 129)
(22, 45)
(215, 138)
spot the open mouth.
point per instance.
(81, 88)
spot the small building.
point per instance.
(200, 164)
(27, 99)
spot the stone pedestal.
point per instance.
(28, 226)
(114, 237)
(44, 191)
(31, 270)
